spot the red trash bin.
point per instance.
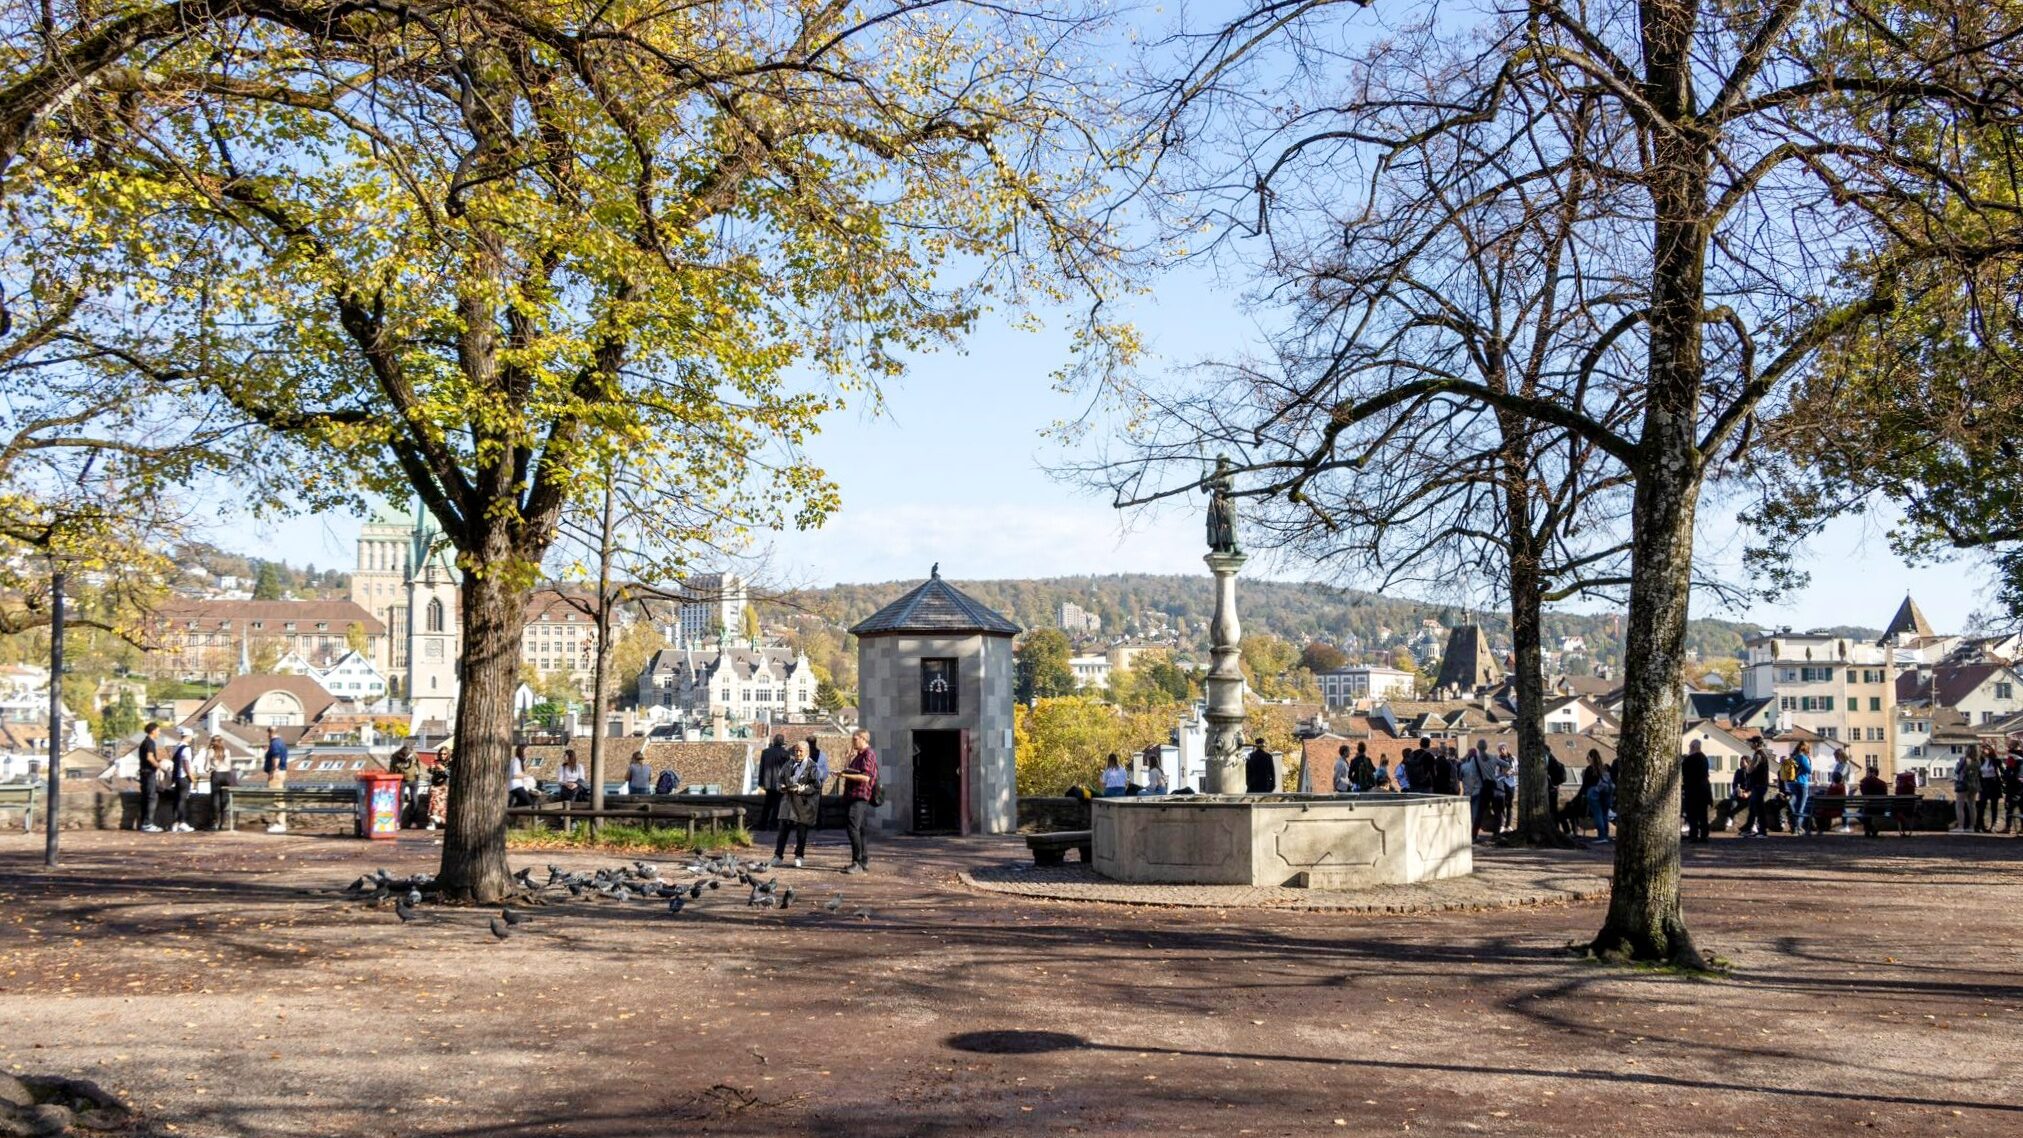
(379, 805)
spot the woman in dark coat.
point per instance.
(801, 782)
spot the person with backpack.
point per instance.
(275, 762)
(182, 780)
(1422, 768)
(1966, 787)
(1506, 788)
(1472, 784)
(1362, 772)
(1447, 776)
(1798, 791)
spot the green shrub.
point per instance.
(628, 837)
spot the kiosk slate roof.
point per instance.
(935, 607)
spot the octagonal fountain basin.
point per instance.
(1316, 841)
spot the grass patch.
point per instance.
(625, 837)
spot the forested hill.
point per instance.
(1149, 605)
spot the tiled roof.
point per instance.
(935, 607)
(240, 694)
(339, 615)
(1468, 663)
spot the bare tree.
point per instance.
(1745, 197)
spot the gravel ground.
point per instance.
(222, 984)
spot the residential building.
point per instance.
(212, 640)
(560, 636)
(1077, 621)
(1842, 689)
(1346, 686)
(1981, 693)
(732, 682)
(712, 605)
(351, 677)
(1091, 670)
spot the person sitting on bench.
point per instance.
(574, 786)
(519, 787)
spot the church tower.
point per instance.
(434, 625)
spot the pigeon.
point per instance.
(555, 873)
(765, 886)
(695, 891)
(404, 911)
(499, 929)
(646, 869)
(675, 905)
(862, 914)
(714, 884)
(359, 886)
(525, 877)
(786, 897)
(511, 915)
(413, 897)
(575, 889)
(833, 904)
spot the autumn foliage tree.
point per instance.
(477, 253)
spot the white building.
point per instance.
(1845, 690)
(1091, 671)
(738, 683)
(1076, 620)
(351, 676)
(1344, 687)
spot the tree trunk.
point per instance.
(474, 846)
(1645, 921)
(1537, 821)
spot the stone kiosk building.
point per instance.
(934, 678)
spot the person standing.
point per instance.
(149, 761)
(2012, 791)
(275, 763)
(800, 783)
(1966, 787)
(1696, 790)
(1506, 788)
(1382, 780)
(182, 781)
(1798, 792)
(1345, 777)
(1362, 772)
(772, 761)
(439, 791)
(1989, 810)
(1260, 773)
(638, 776)
(403, 764)
(1472, 784)
(223, 779)
(1599, 791)
(860, 790)
(1755, 784)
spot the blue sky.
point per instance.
(954, 472)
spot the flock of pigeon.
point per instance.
(640, 881)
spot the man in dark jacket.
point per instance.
(1756, 780)
(1696, 791)
(1422, 768)
(1260, 772)
(772, 761)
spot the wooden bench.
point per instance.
(1052, 849)
(22, 797)
(288, 800)
(658, 811)
(1870, 808)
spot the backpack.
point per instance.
(1362, 772)
(1787, 770)
(1555, 772)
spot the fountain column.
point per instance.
(1225, 682)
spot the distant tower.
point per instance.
(433, 626)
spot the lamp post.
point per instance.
(55, 772)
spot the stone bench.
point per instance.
(1827, 809)
(618, 809)
(1052, 849)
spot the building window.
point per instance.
(938, 686)
(433, 622)
(1875, 703)
(2005, 691)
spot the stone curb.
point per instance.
(1558, 888)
